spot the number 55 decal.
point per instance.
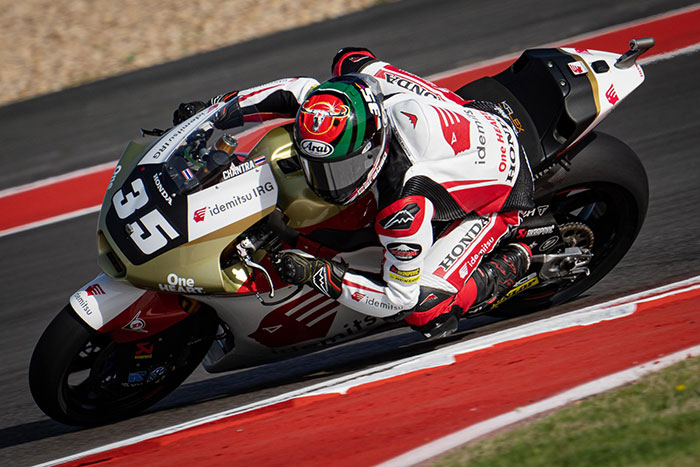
(154, 237)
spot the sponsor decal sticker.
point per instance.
(320, 280)
(578, 68)
(611, 95)
(402, 219)
(538, 211)
(455, 129)
(314, 147)
(230, 201)
(161, 189)
(117, 169)
(236, 170)
(407, 277)
(136, 324)
(82, 303)
(199, 214)
(95, 289)
(527, 233)
(461, 247)
(404, 251)
(180, 284)
(358, 296)
(511, 115)
(412, 118)
(428, 301)
(410, 85)
(144, 351)
(137, 377)
(549, 243)
(524, 284)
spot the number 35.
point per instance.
(153, 238)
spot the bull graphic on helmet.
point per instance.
(319, 112)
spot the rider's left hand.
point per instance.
(186, 110)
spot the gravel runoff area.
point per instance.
(49, 45)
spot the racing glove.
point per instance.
(324, 276)
(186, 110)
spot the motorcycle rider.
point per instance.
(449, 177)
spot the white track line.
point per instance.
(577, 38)
(445, 356)
(50, 220)
(57, 179)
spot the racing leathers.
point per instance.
(452, 187)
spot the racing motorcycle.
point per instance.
(189, 224)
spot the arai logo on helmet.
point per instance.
(314, 147)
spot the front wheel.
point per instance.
(78, 376)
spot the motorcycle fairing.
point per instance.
(566, 92)
(610, 84)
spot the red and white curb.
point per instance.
(446, 356)
(459, 438)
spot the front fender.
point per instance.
(103, 299)
(127, 313)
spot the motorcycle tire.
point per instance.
(606, 190)
(81, 377)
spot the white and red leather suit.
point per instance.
(449, 160)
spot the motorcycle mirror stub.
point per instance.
(637, 48)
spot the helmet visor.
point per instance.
(337, 180)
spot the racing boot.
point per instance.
(499, 274)
(434, 316)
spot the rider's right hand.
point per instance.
(186, 110)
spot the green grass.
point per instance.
(654, 422)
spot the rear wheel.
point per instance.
(78, 376)
(600, 205)
(597, 217)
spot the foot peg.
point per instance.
(568, 265)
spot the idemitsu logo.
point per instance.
(199, 214)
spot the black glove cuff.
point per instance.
(230, 116)
(187, 109)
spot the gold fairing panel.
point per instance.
(195, 267)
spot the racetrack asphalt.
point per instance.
(91, 124)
